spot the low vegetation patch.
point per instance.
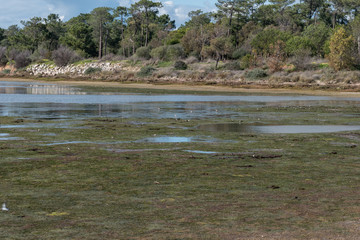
(146, 71)
(256, 73)
(92, 70)
(180, 65)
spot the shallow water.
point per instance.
(200, 152)
(52, 101)
(242, 128)
(170, 139)
(6, 137)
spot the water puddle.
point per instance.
(6, 137)
(284, 129)
(200, 152)
(163, 139)
(71, 142)
(167, 139)
(66, 125)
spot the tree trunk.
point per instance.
(358, 40)
(100, 42)
(334, 19)
(147, 27)
(122, 35)
(230, 20)
(217, 62)
(106, 42)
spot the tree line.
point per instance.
(247, 31)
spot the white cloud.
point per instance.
(13, 11)
(178, 9)
(168, 3)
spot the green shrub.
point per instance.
(302, 60)
(269, 36)
(3, 58)
(318, 35)
(180, 65)
(159, 53)
(92, 70)
(175, 52)
(234, 65)
(256, 73)
(239, 53)
(6, 71)
(165, 64)
(341, 49)
(246, 61)
(296, 44)
(143, 52)
(146, 71)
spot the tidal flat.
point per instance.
(102, 173)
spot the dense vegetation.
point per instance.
(252, 33)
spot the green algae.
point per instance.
(298, 185)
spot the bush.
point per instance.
(318, 36)
(6, 71)
(247, 61)
(39, 54)
(302, 60)
(112, 57)
(277, 56)
(168, 53)
(143, 52)
(3, 58)
(12, 54)
(269, 36)
(180, 65)
(239, 53)
(175, 52)
(92, 70)
(22, 59)
(296, 44)
(159, 53)
(64, 56)
(192, 60)
(234, 65)
(146, 71)
(256, 73)
(341, 50)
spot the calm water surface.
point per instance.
(52, 101)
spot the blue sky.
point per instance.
(13, 11)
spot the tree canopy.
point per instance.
(236, 28)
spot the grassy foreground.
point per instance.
(109, 185)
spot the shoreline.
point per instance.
(254, 88)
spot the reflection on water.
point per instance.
(37, 89)
(51, 101)
(167, 139)
(163, 139)
(200, 152)
(286, 129)
(6, 137)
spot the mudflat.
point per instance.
(179, 170)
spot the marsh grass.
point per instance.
(295, 186)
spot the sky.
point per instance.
(13, 11)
